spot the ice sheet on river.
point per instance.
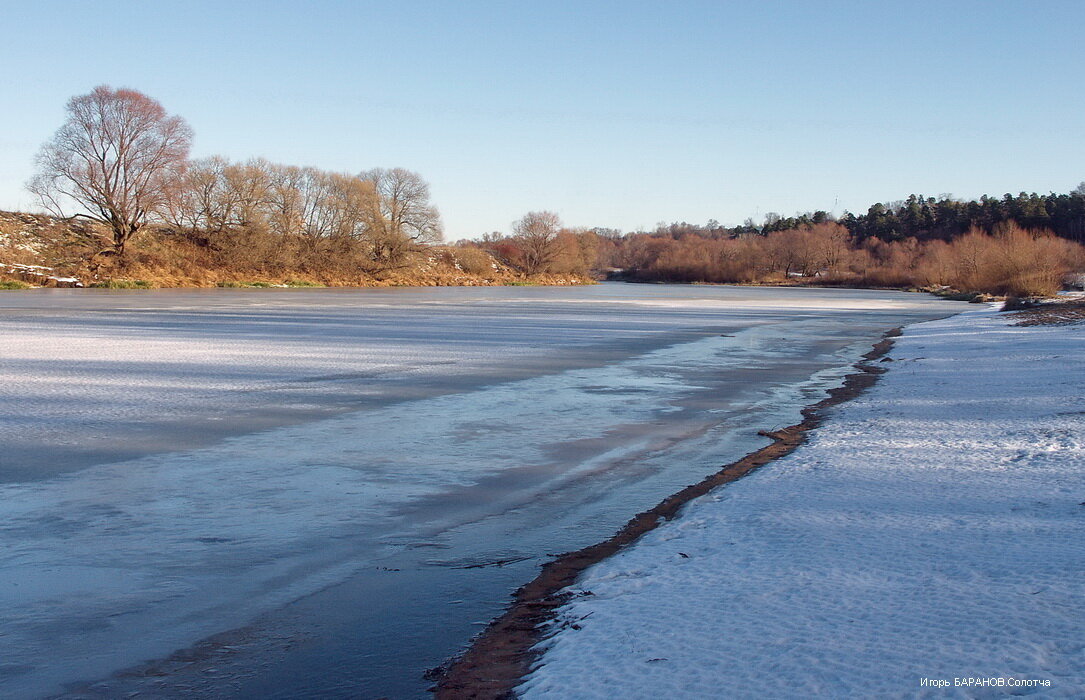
(117, 562)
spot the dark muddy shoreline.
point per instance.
(500, 657)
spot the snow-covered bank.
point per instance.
(932, 530)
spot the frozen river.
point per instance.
(323, 493)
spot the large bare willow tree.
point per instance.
(115, 160)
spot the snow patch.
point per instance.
(933, 529)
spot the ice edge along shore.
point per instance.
(502, 655)
(902, 572)
(933, 529)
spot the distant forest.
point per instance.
(944, 218)
(925, 218)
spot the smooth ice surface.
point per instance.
(363, 474)
(934, 528)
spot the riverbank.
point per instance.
(931, 531)
(438, 268)
(37, 250)
(504, 653)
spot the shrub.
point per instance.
(474, 261)
(232, 284)
(122, 284)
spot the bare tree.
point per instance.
(114, 160)
(202, 204)
(250, 183)
(537, 234)
(285, 204)
(405, 209)
(335, 205)
(829, 242)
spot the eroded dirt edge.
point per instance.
(501, 656)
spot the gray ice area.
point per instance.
(357, 479)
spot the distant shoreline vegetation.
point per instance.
(129, 209)
(1012, 261)
(1024, 246)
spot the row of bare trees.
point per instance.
(1012, 261)
(120, 159)
(381, 213)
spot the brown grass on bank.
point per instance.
(247, 256)
(168, 261)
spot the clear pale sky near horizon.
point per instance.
(618, 114)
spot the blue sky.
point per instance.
(618, 114)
